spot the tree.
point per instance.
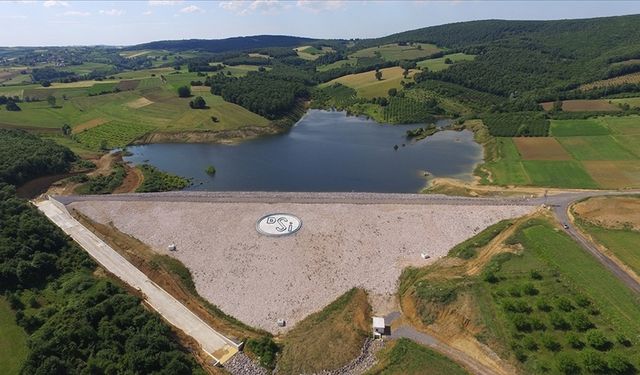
(198, 103)
(620, 365)
(211, 170)
(448, 61)
(46, 83)
(557, 106)
(378, 75)
(66, 129)
(51, 100)
(593, 362)
(405, 73)
(392, 91)
(12, 106)
(184, 91)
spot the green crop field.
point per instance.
(368, 86)
(570, 128)
(545, 304)
(438, 64)
(623, 125)
(112, 134)
(394, 52)
(558, 173)
(13, 341)
(604, 152)
(405, 357)
(595, 148)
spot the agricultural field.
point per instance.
(535, 306)
(337, 64)
(584, 105)
(13, 341)
(632, 102)
(438, 64)
(405, 357)
(394, 52)
(616, 81)
(600, 152)
(368, 86)
(614, 222)
(144, 105)
(311, 53)
(547, 304)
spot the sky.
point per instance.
(45, 23)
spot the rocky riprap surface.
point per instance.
(240, 364)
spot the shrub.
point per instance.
(581, 322)
(620, 365)
(529, 289)
(12, 106)
(567, 365)
(530, 344)
(623, 340)
(490, 277)
(593, 362)
(559, 322)
(543, 305)
(515, 291)
(565, 304)
(574, 341)
(583, 301)
(516, 307)
(521, 322)
(597, 340)
(535, 275)
(266, 349)
(211, 170)
(550, 343)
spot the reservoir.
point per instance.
(325, 151)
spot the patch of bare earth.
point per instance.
(540, 148)
(610, 212)
(260, 279)
(131, 181)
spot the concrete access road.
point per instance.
(213, 343)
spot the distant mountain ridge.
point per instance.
(223, 45)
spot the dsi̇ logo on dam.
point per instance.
(278, 224)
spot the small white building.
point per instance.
(171, 247)
(378, 327)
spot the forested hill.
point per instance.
(223, 45)
(539, 57)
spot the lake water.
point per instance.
(324, 151)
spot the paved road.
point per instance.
(213, 343)
(561, 210)
(300, 197)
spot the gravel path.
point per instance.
(260, 279)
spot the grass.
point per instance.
(595, 148)
(394, 52)
(438, 64)
(469, 248)
(405, 357)
(13, 341)
(328, 339)
(368, 86)
(571, 128)
(558, 173)
(551, 281)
